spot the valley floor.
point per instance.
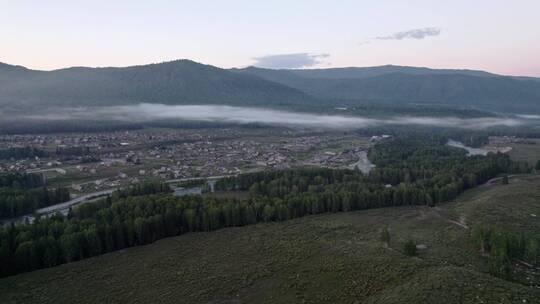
(332, 258)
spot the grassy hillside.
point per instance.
(334, 258)
(515, 207)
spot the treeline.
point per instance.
(191, 183)
(22, 194)
(411, 159)
(409, 171)
(90, 126)
(73, 151)
(21, 181)
(31, 152)
(17, 202)
(145, 188)
(21, 153)
(61, 126)
(505, 247)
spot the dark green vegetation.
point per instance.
(22, 194)
(409, 248)
(89, 230)
(141, 189)
(330, 258)
(72, 151)
(21, 152)
(506, 226)
(504, 247)
(18, 126)
(410, 171)
(31, 152)
(187, 82)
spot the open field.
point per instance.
(333, 258)
(529, 152)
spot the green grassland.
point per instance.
(332, 258)
(514, 207)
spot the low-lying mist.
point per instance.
(244, 115)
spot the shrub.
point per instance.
(409, 248)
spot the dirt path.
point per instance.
(438, 212)
(461, 222)
(497, 180)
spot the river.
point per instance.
(363, 163)
(470, 150)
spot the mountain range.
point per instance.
(176, 82)
(188, 82)
(412, 85)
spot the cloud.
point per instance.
(412, 34)
(246, 115)
(289, 61)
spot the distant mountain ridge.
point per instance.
(401, 85)
(175, 82)
(187, 82)
(366, 72)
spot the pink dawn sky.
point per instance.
(498, 36)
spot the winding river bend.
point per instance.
(363, 163)
(470, 150)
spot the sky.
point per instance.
(498, 36)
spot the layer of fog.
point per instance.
(246, 115)
(529, 116)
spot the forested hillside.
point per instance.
(184, 82)
(396, 85)
(176, 82)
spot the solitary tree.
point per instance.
(533, 251)
(385, 236)
(500, 264)
(482, 237)
(409, 248)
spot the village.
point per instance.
(90, 162)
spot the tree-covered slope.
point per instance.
(366, 72)
(176, 82)
(400, 85)
(186, 82)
